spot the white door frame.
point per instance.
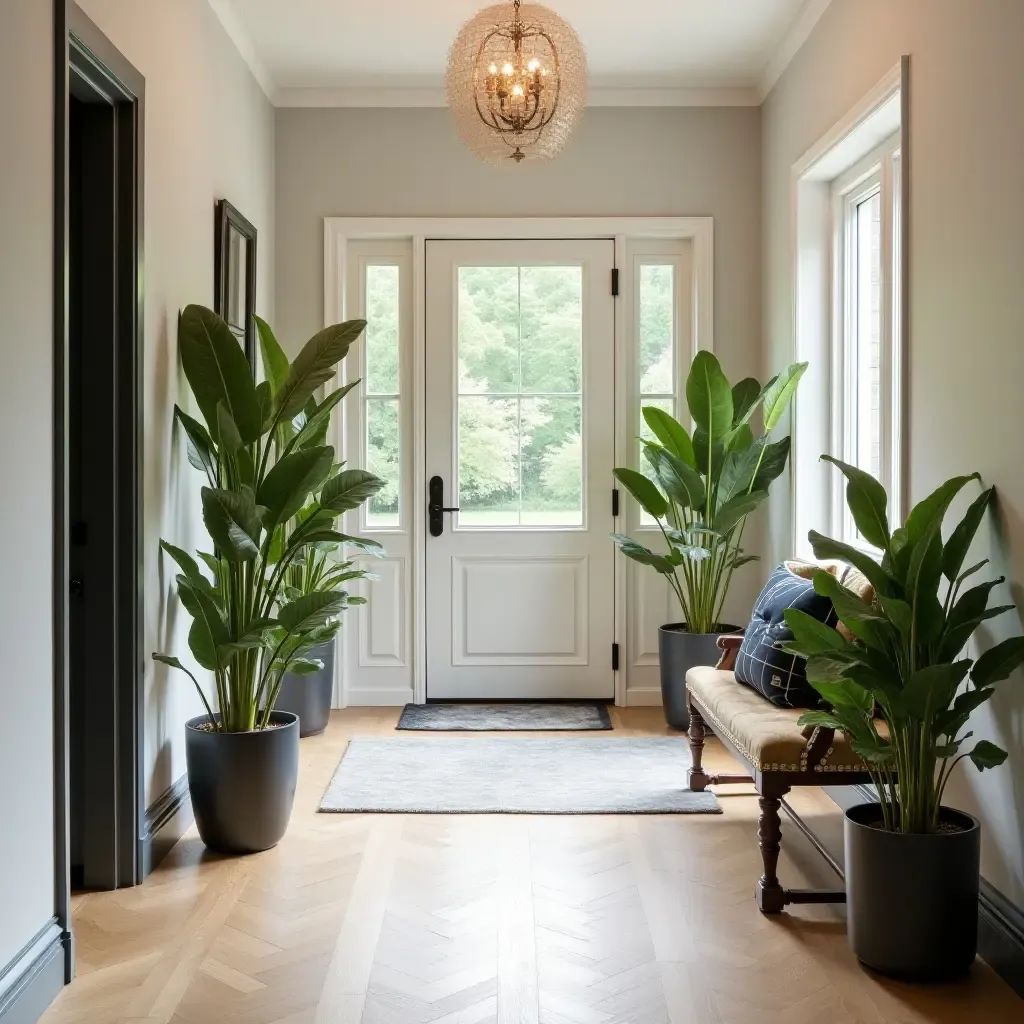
(339, 231)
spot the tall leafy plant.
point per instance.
(701, 489)
(254, 493)
(906, 659)
(321, 566)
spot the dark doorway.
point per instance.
(101, 575)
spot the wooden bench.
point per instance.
(778, 753)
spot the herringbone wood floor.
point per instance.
(420, 919)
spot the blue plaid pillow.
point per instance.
(776, 675)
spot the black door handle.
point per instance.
(435, 506)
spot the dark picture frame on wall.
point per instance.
(234, 261)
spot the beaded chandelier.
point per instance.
(517, 82)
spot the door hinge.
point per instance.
(615, 502)
(615, 280)
(615, 657)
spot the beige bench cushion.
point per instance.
(767, 736)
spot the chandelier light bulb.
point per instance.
(516, 82)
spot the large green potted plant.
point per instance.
(903, 691)
(242, 758)
(321, 567)
(700, 490)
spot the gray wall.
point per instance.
(642, 162)
(966, 295)
(26, 454)
(209, 134)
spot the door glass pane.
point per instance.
(488, 461)
(382, 343)
(551, 320)
(488, 330)
(657, 329)
(520, 353)
(383, 458)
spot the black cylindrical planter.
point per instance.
(242, 784)
(912, 900)
(310, 696)
(679, 650)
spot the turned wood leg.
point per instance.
(696, 776)
(769, 894)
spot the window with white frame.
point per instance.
(865, 313)
(848, 324)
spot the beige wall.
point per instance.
(26, 456)
(966, 290)
(667, 161)
(209, 134)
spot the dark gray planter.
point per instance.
(242, 784)
(309, 697)
(679, 650)
(912, 900)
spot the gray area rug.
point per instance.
(491, 775)
(504, 717)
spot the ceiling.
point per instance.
(393, 52)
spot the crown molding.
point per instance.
(228, 18)
(428, 96)
(796, 35)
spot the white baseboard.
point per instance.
(378, 697)
(643, 697)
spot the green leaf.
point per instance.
(955, 550)
(872, 750)
(265, 400)
(931, 690)
(987, 755)
(822, 719)
(309, 611)
(925, 521)
(189, 566)
(845, 693)
(952, 721)
(227, 431)
(825, 548)
(776, 455)
(998, 662)
(291, 481)
(737, 509)
(631, 549)
(739, 439)
(812, 637)
(709, 396)
(305, 666)
(315, 365)
(745, 397)
(738, 470)
(349, 489)
(866, 499)
(315, 428)
(217, 371)
(681, 483)
(860, 618)
(209, 629)
(275, 362)
(232, 520)
(778, 394)
(897, 612)
(643, 490)
(201, 451)
(670, 432)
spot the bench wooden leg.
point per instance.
(697, 777)
(771, 897)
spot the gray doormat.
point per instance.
(504, 717)
(516, 775)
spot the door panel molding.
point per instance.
(414, 232)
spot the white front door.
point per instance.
(520, 368)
